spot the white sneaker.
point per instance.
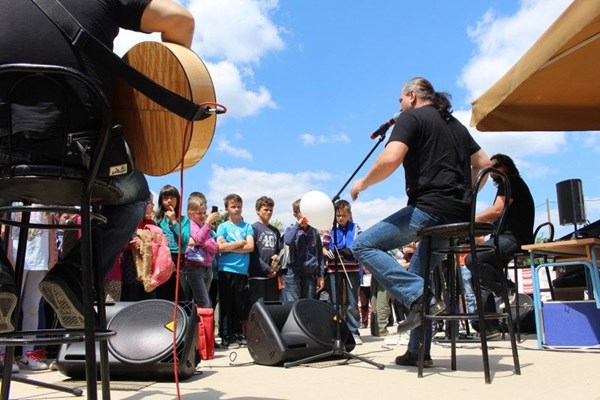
(33, 361)
(15, 367)
(357, 340)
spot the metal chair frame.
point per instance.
(82, 183)
(456, 234)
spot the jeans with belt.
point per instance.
(397, 230)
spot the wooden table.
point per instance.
(566, 253)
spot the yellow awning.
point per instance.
(555, 86)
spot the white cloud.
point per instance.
(224, 146)
(283, 187)
(591, 141)
(367, 213)
(232, 91)
(517, 144)
(127, 39)
(230, 36)
(310, 139)
(236, 30)
(501, 41)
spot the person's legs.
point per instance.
(225, 304)
(470, 303)
(308, 287)
(272, 289)
(491, 274)
(381, 303)
(364, 298)
(122, 217)
(292, 286)
(61, 287)
(192, 282)
(8, 293)
(352, 314)
(372, 246)
(240, 307)
(256, 290)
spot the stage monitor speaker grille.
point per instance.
(143, 346)
(571, 207)
(280, 332)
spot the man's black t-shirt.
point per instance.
(38, 107)
(28, 36)
(521, 212)
(438, 163)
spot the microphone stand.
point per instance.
(338, 348)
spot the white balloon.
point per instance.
(318, 209)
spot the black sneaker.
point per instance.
(61, 288)
(8, 298)
(411, 360)
(230, 343)
(413, 319)
(240, 340)
(492, 329)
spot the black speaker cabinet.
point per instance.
(571, 208)
(280, 332)
(143, 346)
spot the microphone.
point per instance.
(385, 126)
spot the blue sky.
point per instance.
(306, 82)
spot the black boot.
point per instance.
(413, 319)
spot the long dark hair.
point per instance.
(167, 190)
(505, 161)
(424, 89)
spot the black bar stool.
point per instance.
(456, 236)
(58, 186)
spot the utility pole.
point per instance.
(548, 209)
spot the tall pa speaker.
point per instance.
(143, 346)
(571, 208)
(280, 332)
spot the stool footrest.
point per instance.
(51, 337)
(460, 317)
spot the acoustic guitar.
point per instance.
(155, 134)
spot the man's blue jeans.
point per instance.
(122, 216)
(397, 230)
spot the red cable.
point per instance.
(218, 109)
(178, 265)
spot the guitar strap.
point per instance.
(83, 42)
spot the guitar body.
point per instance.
(156, 135)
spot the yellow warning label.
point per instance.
(170, 326)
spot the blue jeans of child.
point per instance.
(298, 287)
(470, 302)
(397, 230)
(349, 299)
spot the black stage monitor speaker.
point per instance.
(143, 346)
(571, 208)
(280, 332)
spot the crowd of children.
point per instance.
(228, 264)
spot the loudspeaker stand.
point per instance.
(338, 349)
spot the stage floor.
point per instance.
(232, 375)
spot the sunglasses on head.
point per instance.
(496, 165)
